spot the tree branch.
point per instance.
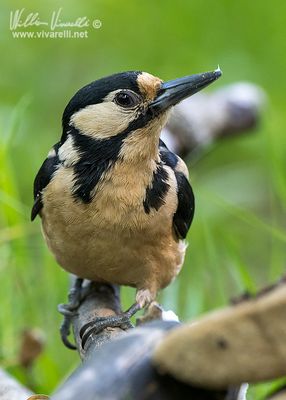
(122, 367)
(241, 343)
(10, 389)
(166, 360)
(101, 301)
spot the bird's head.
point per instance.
(126, 102)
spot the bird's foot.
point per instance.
(117, 321)
(144, 297)
(69, 310)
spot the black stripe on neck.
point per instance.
(156, 193)
(98, 155)
(96, 158)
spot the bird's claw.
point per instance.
(65, 332)
(99, 324)
(69, 310)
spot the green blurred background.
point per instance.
(238, 238)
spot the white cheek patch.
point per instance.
(102, 120)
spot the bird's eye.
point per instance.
(126, 99)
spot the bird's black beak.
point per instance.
(172, 92)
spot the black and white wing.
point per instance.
(184, 214)
(43, 178)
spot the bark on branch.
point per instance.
(208, 359)
(122, 367)
(10, 389)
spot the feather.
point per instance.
(184, 214)
(43, 178)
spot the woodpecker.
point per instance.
(115, 203)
